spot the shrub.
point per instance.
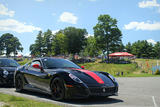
(157, 72)
(143, 71)
(6, 106)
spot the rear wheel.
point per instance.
(57, 89)
(19, 83)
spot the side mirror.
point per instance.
(37, 66)
(82, 67)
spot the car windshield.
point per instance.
(8, 63)
(58, 63)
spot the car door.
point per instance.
(36, 77)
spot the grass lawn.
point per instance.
(13, 101)
(141, 69)
(111, 68)
(24, 61)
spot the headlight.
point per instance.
(5, 73)
(112, 77)
(76, 79)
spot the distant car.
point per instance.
(7, 69)
(63, 79)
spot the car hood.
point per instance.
(10, 69)
(92, 78)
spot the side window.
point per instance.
(31, 65)
(35, 62)
(28, 65)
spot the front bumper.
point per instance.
(8, 80)
(103, 91)
(77, 92)
(80, 91)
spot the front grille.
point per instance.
(102, 90)
(11, 73)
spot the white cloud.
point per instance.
(54, 31)
(16, 26)
(143, 26)
(151, 41)
(39, 0)
(4, 11)
(148, 3)
(68, 18)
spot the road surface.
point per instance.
(133, 92)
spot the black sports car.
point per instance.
(63, 79)
(7, 69)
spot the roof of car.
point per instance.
(47, 58)
(6, 58)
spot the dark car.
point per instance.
(63, 79)
(7, 69)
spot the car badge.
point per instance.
(104, 90)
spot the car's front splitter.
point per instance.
(103, 91)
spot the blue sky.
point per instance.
(137, 19)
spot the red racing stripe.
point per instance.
(93, 75)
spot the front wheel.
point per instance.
(19, 83)
(57, 89)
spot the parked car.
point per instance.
(63, 79)
(7, 69)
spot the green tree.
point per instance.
(32, 48)
(142, 49)
(37, 48)
(107, 34)
(157, 50)
(48, 42)
(119, 48)
(59, 44)
(128, 47)
(10, 44)
(75, 39)
(91, 48)
(150, 50)
(136, 48)
(16, 46)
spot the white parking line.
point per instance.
(155, 105)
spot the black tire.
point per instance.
(19, 83)
(57, 89)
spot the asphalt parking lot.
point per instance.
(133, 92)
